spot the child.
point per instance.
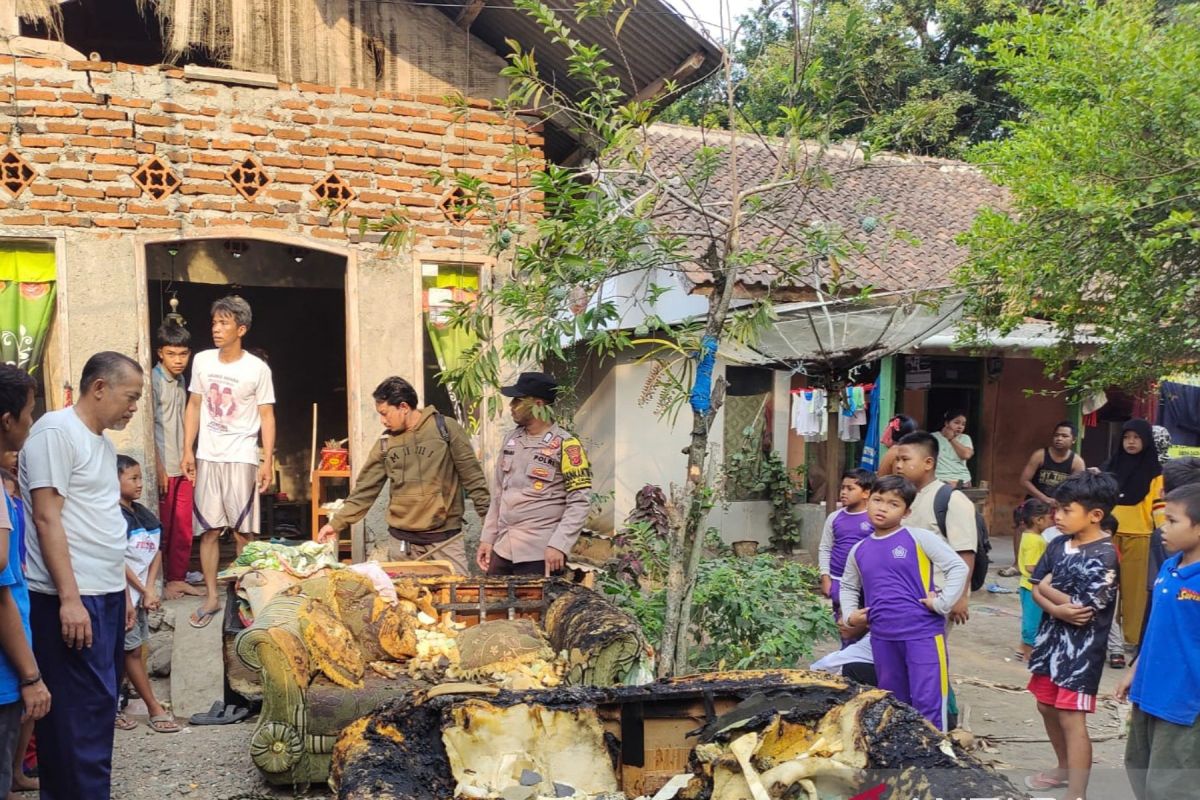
(8, 475)
(1033, 516)
(1075, 583)
(844, 528)
(907, 617)
(23, 694)
(1163, 748)
(174, 490)
(142, 562)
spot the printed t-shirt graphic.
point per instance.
(229, 419)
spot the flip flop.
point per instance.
(202, 616)
(220, 714)
(124, 723)
(1043, 781)
(163, 723)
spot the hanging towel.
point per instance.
(870, 455)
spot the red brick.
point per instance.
(457, 117)
(325, 233)
(464, 163)
(498, 180)
(380, 169)
(65, 127)
(154, 136)
(350, 165)
(93, 141)
(43, 190)
(70, 220)
(122, 131)
(207, 188)
(352, 122)
(156, 210)
(35, 94)
(82, 191)
(55, 111)
(314, 150)
(472, 134)
(22, 219)
(212, 158)
(232, 144)
(249, 130)
(88, 207)
(356, 92)
(254, 208)
(204, 174)
(198, 143)
(368, 136)
(116, 158)
(376, 197)
(145, 148)
(212, 205)
(114, 222)
(159, 223)
(153, 120)
(91, 66)
(338, 149)
(432, 128)
(199, 125)
(287, 162)
(276, 224)
(329, 133)
(431, 99)
(288, 133)
(42, 141)
(106, 175)
(398, 186)
(81, 97)
(126, 102)
(294, 177)
(317, 164)
(104, 113)
(34, 61)
(266, 147)
(276, 193)
(406, 141)
(49, 205)
(430, 159)
(316, 88)
(67, 174)
(122, 191)
(420, 200)
(305, 119)
(295, 105)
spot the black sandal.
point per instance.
(1116, 660)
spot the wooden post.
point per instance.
(833, 443)
(887, 400)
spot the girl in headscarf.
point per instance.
(1138, 471)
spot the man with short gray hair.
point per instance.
(231, 399)
(75, 568)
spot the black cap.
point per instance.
(532, 384)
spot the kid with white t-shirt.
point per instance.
(231, 400)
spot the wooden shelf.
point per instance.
(321, 484)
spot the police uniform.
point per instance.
(542, 495)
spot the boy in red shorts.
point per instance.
(1075, 583)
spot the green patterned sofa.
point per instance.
(302, 715)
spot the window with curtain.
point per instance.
(443, 285)
(747, 429)
(27, 284)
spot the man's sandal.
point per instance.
(202, 616)
(1044, 781)
(163, 723)
(124, 723)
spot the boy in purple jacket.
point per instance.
(843, 529)
(894, 569)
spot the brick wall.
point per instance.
(81, 131)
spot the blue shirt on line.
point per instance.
(13, 578)
(1168, 666)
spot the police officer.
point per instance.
(542, 491)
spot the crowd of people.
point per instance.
(82, 561)
(1108, 557)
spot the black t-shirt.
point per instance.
(1073, 655)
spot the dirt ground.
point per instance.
(213, 763)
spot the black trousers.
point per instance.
(500, 566)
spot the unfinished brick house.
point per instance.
(161, 150)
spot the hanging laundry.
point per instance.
(870, 454)
(808, 414)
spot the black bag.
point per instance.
(983, 545)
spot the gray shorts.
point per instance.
(226, 496)
(139, 634)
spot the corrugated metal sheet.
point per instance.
(654, 41)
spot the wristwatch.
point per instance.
(30, 681)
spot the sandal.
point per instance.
(163, 723)
(1043, 781)
(202, 616)
(1116, 660)
(124, 723)
(1008, 572)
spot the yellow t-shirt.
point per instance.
(1030, 552)
(1145, 516)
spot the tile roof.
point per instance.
(902, 214)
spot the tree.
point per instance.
(617, 214)
(1103, 235)
(896, 72)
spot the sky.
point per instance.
(710, 12)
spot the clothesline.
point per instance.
(810, 412)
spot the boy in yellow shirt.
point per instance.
(1031, 517)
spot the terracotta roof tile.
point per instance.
(898, 216)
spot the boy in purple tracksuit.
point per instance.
(843, 529)
(894, 568)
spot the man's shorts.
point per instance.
(226, 496)
(139, 634)
(1047, 692)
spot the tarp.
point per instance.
(27, 288)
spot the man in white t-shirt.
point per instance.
(75, 568)
(231, 400)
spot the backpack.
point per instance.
(440, 421)
(983, 546)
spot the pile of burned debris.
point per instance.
(724, 736)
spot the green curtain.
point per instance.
(26, 302)
(448, 343)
